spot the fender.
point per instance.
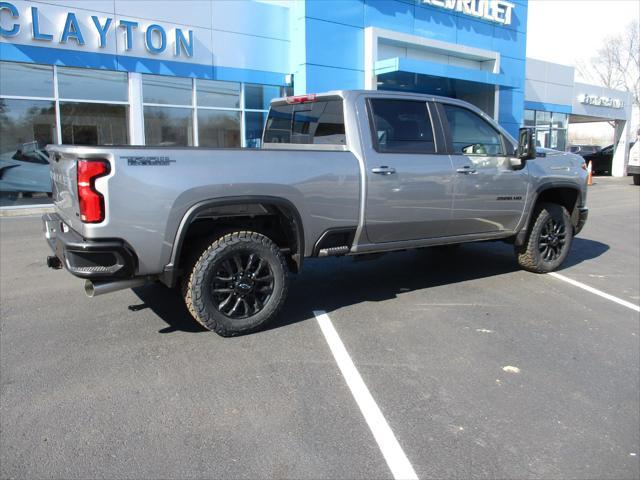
(522, 234)
(171, 270)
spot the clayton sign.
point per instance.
(498, 11)
(154, 36)
(599, 101)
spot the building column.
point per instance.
(136, 110)
(621, 139)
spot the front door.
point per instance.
(490, 189)
(409, 182)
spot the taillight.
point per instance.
(312, 97)
(91, 201)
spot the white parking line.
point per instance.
(387, 442)
(595, 291)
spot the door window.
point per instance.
(401, 126)
(471, 134)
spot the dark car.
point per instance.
(602, 160)
(584, 149)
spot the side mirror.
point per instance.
(526, 145)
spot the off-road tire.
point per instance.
(197, 283)
(529, 254)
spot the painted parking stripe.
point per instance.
(595, 291)
(391, 450)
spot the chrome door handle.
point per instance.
(466, 169)
(383, 170)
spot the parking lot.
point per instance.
(128, 386)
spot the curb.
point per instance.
(25, 210)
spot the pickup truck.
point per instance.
(340, 173)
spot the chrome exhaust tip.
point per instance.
(93, 289)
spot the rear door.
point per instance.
(409, 176)
(490, 189)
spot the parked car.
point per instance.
(25, 169)
(634, 160)
(341, 173)
(584, 149)
(602, 160)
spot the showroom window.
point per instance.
(168, 111)
(93, 106)
(219, 115)
(550, 128)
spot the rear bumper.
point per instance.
(95, 259)
(633, 169)
(583, 214)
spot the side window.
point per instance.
(318, 123)
(471, 134)
(401, 126)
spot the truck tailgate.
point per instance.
(64, 186)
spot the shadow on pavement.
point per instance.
(332, 283)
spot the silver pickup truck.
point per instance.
(340, 173)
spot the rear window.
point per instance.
(317, 123)
(401, 126)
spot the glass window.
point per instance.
(219, 128)
(258, 97)
(543, 118)
(93, 124)
(212, 93)
(560, 120)
(167, 126)
(27, 126)
(166, 90)
(320, 122)
(27, 80)
(401, 126)
(529, 118)
(254, 124)
(86, 84)
(471, 134)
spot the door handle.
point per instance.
(466, 169)
(383, 170)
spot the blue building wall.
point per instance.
(333, 33)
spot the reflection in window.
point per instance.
(86, 84)
(472, 134)
(166, 90)
(27, 126)
(24, 79)
(93, 124)
(212, 93)
(258, 97)
(219, 128)
(166, 126)
(318, 122)
(253, 126)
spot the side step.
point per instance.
(333, 251)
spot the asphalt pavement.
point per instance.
(480, 370)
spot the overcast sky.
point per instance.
(565, 31)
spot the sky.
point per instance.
(566, 31)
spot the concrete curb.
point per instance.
(25, 210)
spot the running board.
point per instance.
(333, 251)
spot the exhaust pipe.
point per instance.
(100, 288)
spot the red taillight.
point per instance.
(312, 97)
(91, 201)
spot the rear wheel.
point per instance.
(237, 285)
(548, 241)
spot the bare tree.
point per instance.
(617, 63)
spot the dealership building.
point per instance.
(202, 73)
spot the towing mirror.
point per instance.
(526, 145)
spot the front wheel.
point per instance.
(548, 241)
(237, 285)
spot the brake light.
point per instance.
(91, 201)
(312, 97)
